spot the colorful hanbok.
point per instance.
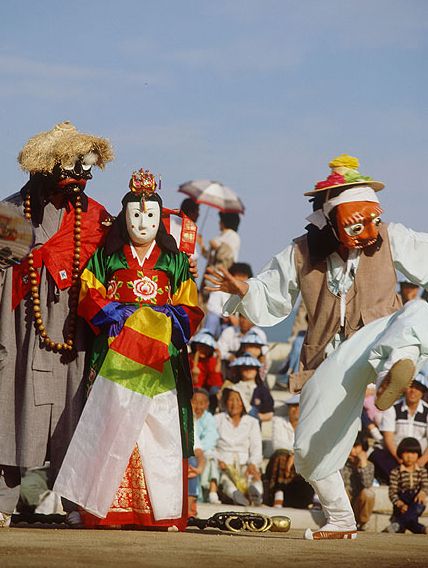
(126, 464)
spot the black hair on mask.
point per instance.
(118, 234)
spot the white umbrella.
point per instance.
(213, 194)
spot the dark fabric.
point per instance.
(262, 399)
(384, 463)
(410, 519)
(297, 492)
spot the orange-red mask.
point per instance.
(358, 223)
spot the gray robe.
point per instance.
(41, 394)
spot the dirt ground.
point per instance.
(62, 548)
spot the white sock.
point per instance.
(335, 502)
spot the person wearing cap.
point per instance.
(345, 268)
(286, 487)
(246, 369)
(408, 489)
(239, 449)
(205, 365)
(407, 417)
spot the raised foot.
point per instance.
(396, 381)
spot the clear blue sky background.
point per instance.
(258, 94)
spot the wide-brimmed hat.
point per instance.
(344, 174)
(204, 337)
(252, 338)
(245, 360)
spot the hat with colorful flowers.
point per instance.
(344, 174)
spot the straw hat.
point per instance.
(344, 174)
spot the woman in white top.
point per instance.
(239, 450)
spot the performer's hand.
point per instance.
(194, 471)
(222, 280)
(193, 267)
(222, 465)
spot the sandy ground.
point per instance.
(62, 548)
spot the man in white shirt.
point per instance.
(406, 418)
(345, 269)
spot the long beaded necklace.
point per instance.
(74, 288)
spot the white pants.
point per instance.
(331, 401)
(113, 421)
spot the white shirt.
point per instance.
(274, 291)
(147, 255)
(282, 434)
(407, 427)
(230, 340)
(216, 302)
(230, 238)
(241, 444)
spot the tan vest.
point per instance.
(371, 296)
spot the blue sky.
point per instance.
(259, 94)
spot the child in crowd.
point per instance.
(206, 431)
(246, 369)
(205, 365)
(255, 345)
(408, 489)
(239, 449)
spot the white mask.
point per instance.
(142, 225)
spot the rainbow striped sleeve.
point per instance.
(184, 293)
(94, 306)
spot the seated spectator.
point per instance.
(196, 465)
(358, 477)
(205, 365)
(206, 431)
(224, 248)
(253, 344)
(285, 487)
(215, 322)
(229, 341)
(246, 370)
(407, 417)
(408, 489)
(239, 450)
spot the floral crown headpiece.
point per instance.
(344, 174)
(143, 183)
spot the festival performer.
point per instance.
(42, 341)
(344, 267)
(126, 464)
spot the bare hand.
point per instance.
(252, 470)
(222, 280)
(421, 497)
(193, 267)
(193, 472)
(222, 465)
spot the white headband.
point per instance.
(356, 193)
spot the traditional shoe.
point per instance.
(329, 534)
(396, 381)
(73, 520)
(255, 496)
(5, 519)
